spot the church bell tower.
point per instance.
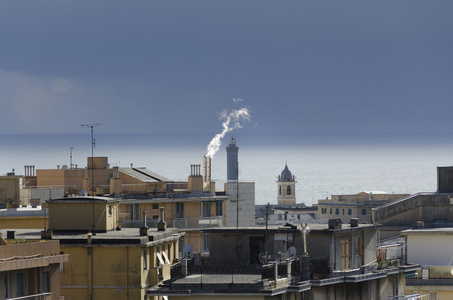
(286, 182)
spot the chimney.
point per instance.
(116, 172)
(354, 222)
(195, 182)
(162, 225)
(334, 223)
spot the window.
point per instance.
(46, 281)
(432, 295)
(206, 242)
(206, 209)
(280, 190)
(288, 190)
(19, 284)
(363, 211)
(145, 259)
(219, 209)
(361, 246)
(110, 210)
(337, 211)
(179, 210)
(182, 243)
(345, 254)
(349, 211)
(155, 206)
(343, 211)
(330, 212)
(6, 286)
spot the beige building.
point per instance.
(358, 206)
(189, 205)
(29, 268)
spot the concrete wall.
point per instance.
(369, 246)
(426, 207)
(438, 246)
(79, 216)
(246, 204)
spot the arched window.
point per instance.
(288, 190)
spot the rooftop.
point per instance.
(123, 236)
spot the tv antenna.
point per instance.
(93, 144)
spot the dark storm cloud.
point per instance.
(172, 66)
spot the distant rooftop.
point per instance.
(143, 174)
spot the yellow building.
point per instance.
(9, 190)
(107, 262)
(24, 217)
(188, 208)
(29, 267)
(118, 264)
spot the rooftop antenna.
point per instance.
(71, 166)
(93, 144)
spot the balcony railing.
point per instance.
(196, 222)
(177, 223)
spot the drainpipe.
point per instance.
(332, 253)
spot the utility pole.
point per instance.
(92, 166)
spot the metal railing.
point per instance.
(177, 223)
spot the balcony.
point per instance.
(270, 279)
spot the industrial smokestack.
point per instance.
(232, 160)
(207, 168)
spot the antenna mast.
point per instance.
(71, 166)
(92, 163)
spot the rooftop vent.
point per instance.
(334, 223)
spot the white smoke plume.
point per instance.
(231, 120)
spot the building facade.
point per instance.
(29, 269)
(358, 205)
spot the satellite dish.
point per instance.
(187, 250)
(292, 251)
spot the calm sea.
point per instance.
(321, 169)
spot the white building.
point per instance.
(242, 199)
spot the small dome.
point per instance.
(286, 175)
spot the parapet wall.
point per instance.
(425, 207)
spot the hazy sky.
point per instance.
(305, 67)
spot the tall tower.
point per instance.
(232, 160)
(286, 187)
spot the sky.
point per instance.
(369, 68)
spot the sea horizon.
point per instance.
(322, 166)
